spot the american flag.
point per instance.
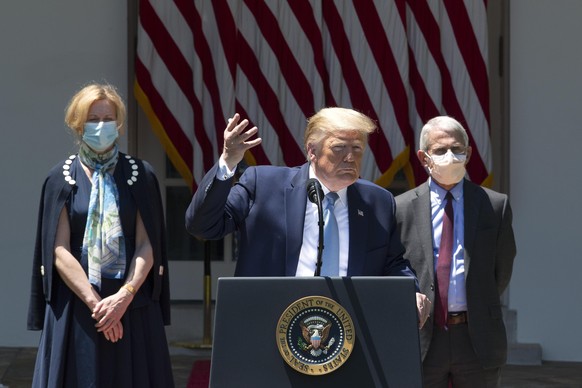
(275, 62)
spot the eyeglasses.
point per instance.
(457, 150)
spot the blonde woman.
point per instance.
(100, 280)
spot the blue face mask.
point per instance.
(100, 136)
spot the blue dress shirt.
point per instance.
(457, 294)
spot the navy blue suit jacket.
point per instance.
(55, 191)
(267, 207)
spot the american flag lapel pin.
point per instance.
(360, 213)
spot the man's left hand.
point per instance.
(423, 307)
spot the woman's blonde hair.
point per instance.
(78, 108)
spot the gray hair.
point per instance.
(444, 123)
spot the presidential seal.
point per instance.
(315, 335)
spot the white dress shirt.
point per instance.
(308, 254)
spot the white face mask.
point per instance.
(100, 136)
(447, 169)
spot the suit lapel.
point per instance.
(421, 209)
(295, 203)
(471, 206)
(358, 213)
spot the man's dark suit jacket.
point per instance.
(489, 253)
(267, 207)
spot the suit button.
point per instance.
(432, 287)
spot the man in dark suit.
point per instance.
(464, 340)
(278, 225)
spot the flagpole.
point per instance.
(207, 336)
(207, 304)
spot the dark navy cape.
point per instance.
(51, 298)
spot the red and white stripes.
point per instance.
(276, 62)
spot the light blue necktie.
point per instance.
(330, 258)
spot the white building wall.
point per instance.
(48, 50)
(545, 173)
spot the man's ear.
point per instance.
(421, 155)
(311, 153)
(469, 153)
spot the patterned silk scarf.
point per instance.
(103, 243)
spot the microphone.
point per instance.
(314, 191)
(315, 195)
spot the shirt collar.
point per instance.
(343, 193)
(439, 193)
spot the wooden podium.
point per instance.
(386, 350)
